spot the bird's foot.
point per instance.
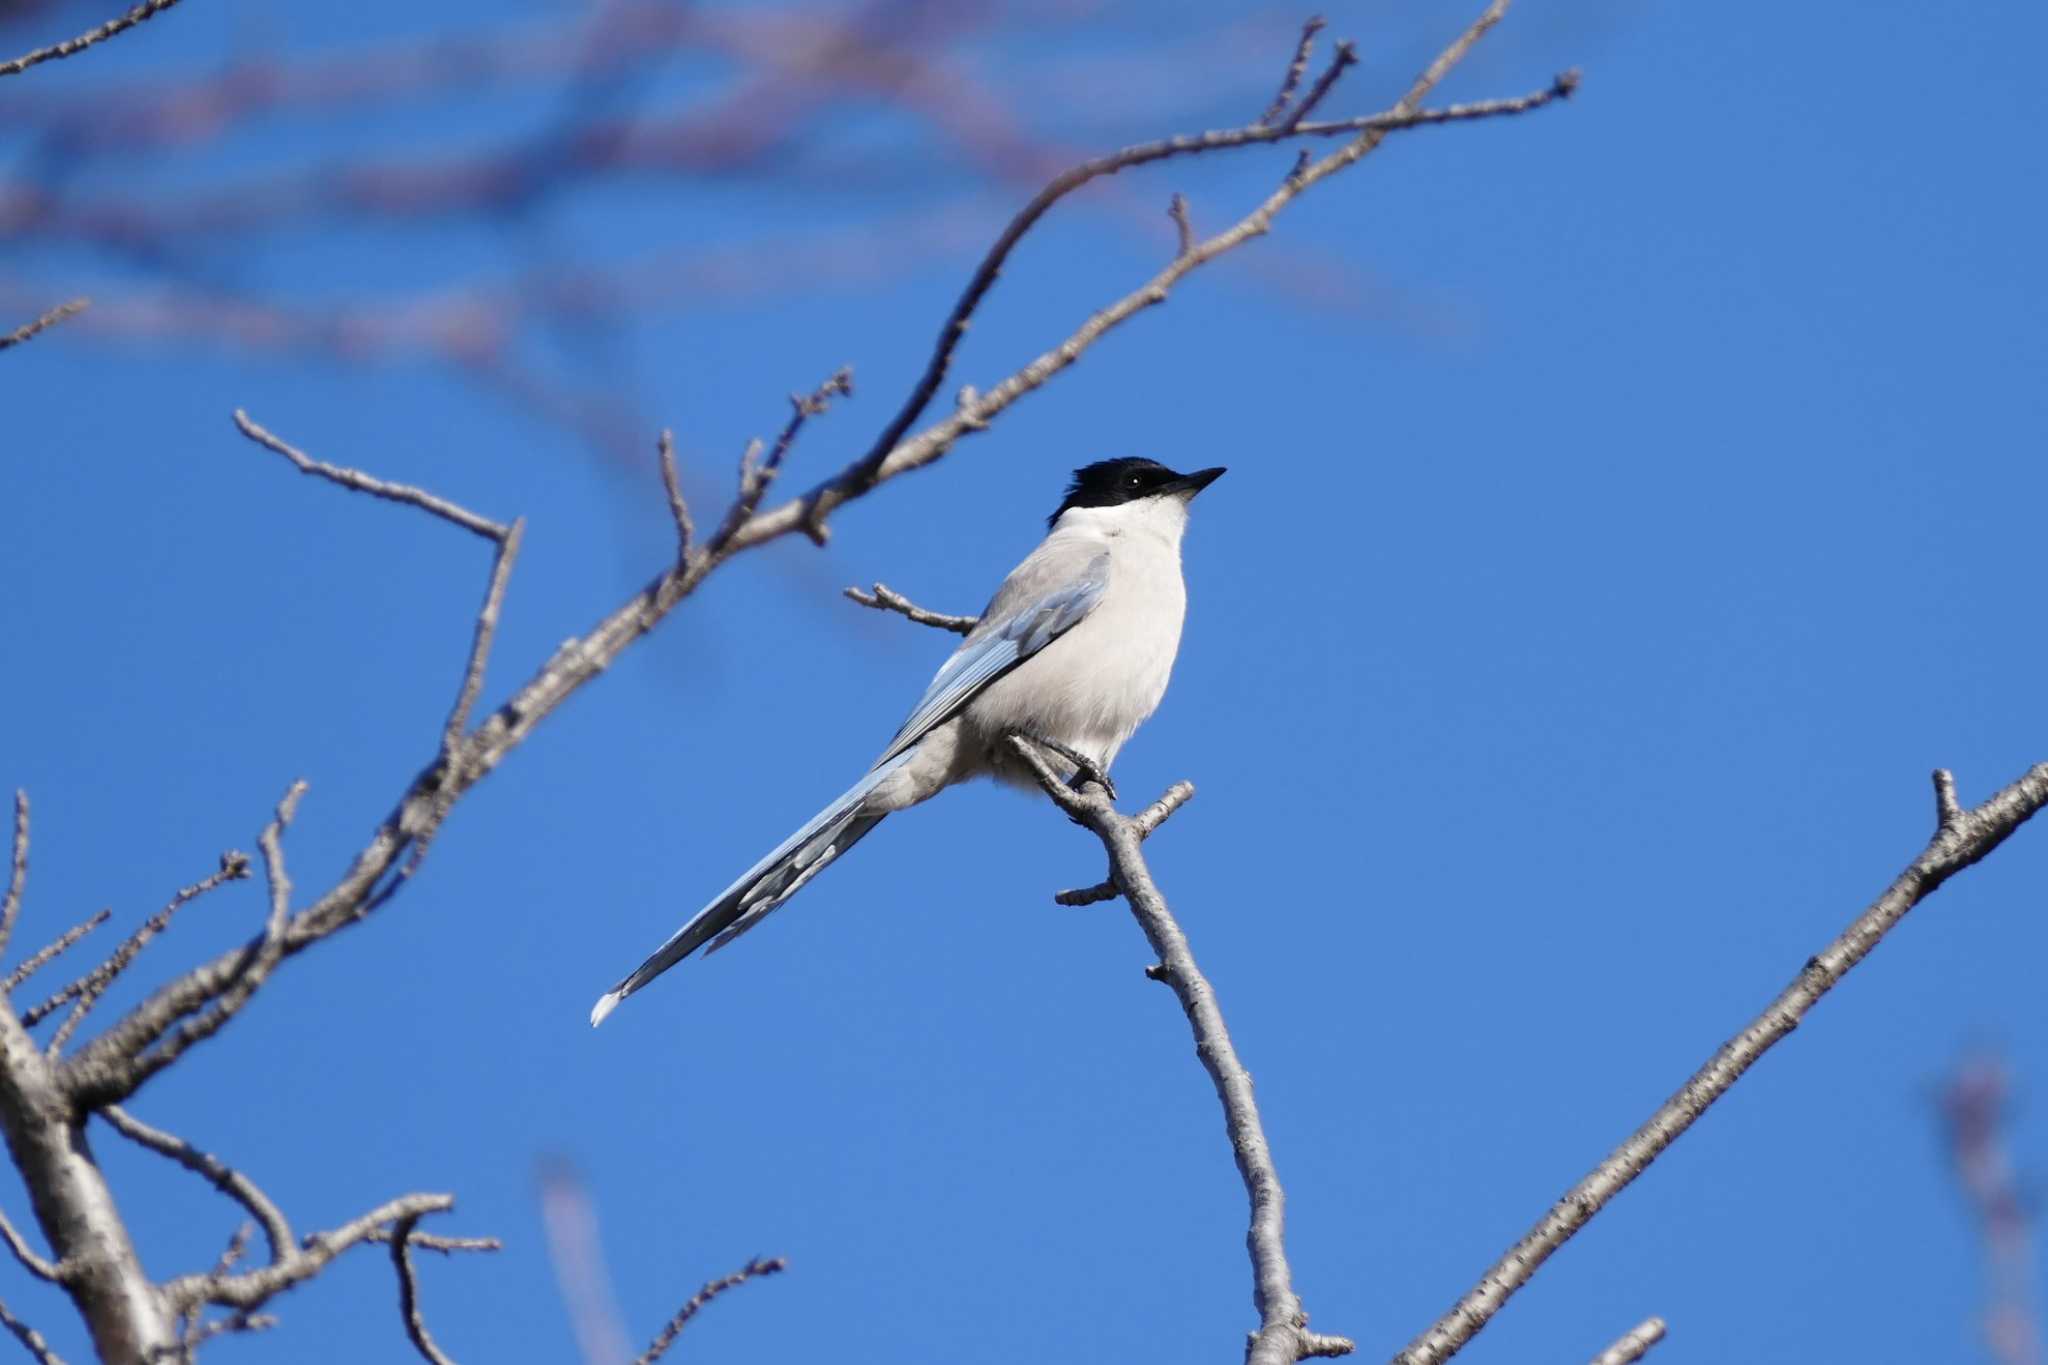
(1086, 769)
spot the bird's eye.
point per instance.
(1132, 481)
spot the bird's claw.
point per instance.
(1086, 769)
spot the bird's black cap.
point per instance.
(1107, 483)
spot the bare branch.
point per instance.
(44, 955)
(30, 1338)
(146, 10)
(893, 453)
(885, 598)
(88, 989)
(39, 1266)
(1283, 1336)
(1973, 1110)
(1956, 845)
(376, 488)
(254, 1288)
(446, 1246)
(754, 1269)
(1634, 1346)
(1947, 810)
(1177, 210)
(17, 878)
(277, 1229)
(1292, 80)
(756, 475)
(480, 641)
(1345, 57)
(678, 510)
(409, 1292)
(576, 1254)
(1145, 821)
(44, 323)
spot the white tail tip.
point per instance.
(606, 1003)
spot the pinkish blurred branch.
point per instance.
(43, 323)
(1974, 1107)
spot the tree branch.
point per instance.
(409, 1292)
(885, 598)
(44, 323)
(17, 877)
(360, 482)
(756, 475)
(88, 989)
(31, 1340)
(254, 1288)
(678, 510)
(1283, 1336)
(754, 1269)
(1292, 80)
(49, 951)
(1963, 837)
(1634, 1346)
(277, 1229)
(1145, 821)
(146, 10)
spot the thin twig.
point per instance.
(30, 1338)
(42, 1267)
(1957, 843)
(49, 951)
(481, 637)
(1292, 80)
(1184, 230)
(885, 598)
(88, 989)
(1283, 1336)
(756, 474)
(1342, 59)
(44, 323)
(754, 1269)
(409, 1292)
(220, 1327)
(377, 488)
(1634, 1346)
(17, 877)
(145, 10)
(277, 1229)
(678, 510)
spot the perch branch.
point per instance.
(1634, 1346)
(885, 598)
(1283, 1336)
(1961, 838)
(1145, 821)
(44, 323)
(754, 1269)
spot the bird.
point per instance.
(1072, 654)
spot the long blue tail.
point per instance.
(764, 886)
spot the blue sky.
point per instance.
(1629, 505)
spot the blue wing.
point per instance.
(998, 645)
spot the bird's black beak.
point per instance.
(1187, 485)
